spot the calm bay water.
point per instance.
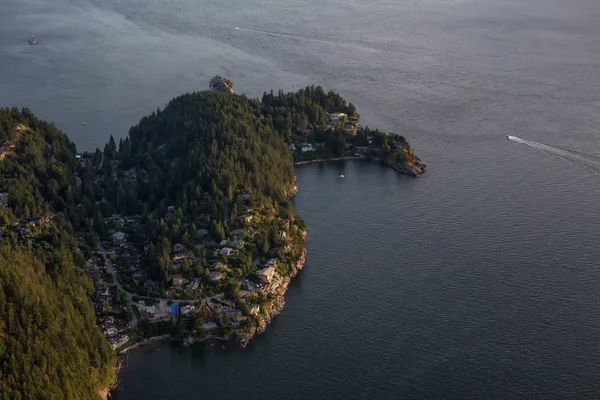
(478, 280)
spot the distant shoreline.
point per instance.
(402, 170)
(331, 159)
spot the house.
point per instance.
(120, 223)
(292, 147)
(225, 251)
(254, 308)
(4, 199)
(24, 231)
(351, 128)
(282, 234)
(219, 266)
(202, 232)
(181, 256)
(194, 285)
(210, 325)
(271, 263)
(131, 173)
(336, 118)
(185, 310)
(137, 276)
(216, 275)
(223, 242)
(177, 247)
(118, 237)
(171, 209)
(118, 341)
(112, 331)
(177, 280)
(267, 273)
(237, 243)
(307, 147)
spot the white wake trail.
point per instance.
(288, 36)
(567, 155)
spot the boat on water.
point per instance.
(33, 41)
(341, 176)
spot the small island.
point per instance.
(184, 229)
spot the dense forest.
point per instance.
(203, 154)
(193, 203)
(50, 346)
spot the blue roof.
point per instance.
(174, 308)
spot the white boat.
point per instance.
(341, 176)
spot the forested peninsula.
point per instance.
(183, 229)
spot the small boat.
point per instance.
(84, 124)
(32, 41)
(341, 176)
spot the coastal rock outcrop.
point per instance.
(220, 84)
(414, 168)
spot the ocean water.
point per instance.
(478, 280)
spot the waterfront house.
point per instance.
(271, 263)
(307, 147)
(118, 341)
(337, 118)
(267, 274)
(223, 243)
(254, 308)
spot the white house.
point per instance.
(293, 147)
(336, 118)
(118, 237)
(307, 147)
(225, 251)
(185, 310)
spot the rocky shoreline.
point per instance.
(274, 309)
(277, 304)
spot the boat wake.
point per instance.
(584, 160)
(288, 36)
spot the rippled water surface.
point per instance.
(478, 280)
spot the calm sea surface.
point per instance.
(478, 280)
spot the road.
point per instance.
(109, 267)
(163, 301)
